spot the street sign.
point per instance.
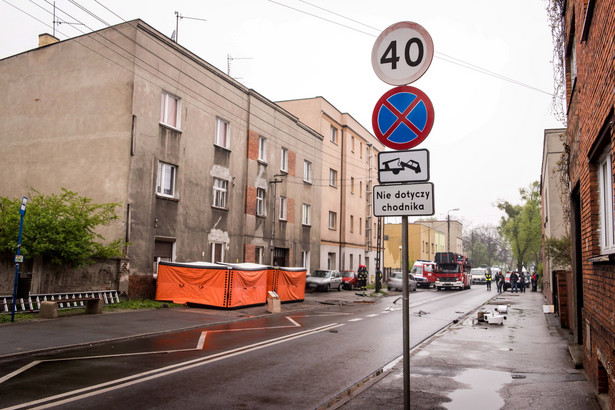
(403, 117)
(404, 200)
(403, 166)
(402, 53)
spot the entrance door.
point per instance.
(280, 256)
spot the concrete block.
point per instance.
(48, 310)
(94, 306)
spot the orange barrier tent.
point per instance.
(288, 283)
(247, 285)
(198, 282)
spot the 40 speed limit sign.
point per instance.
(402, 53)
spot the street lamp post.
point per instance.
(448, 224)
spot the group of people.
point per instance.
(517, 282)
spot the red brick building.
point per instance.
(590, 74)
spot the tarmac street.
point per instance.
(521, 364)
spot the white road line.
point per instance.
(356, 319)
(162, 372)
(373, 315)
(16, 372)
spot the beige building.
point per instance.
(203, 167)
(349, 171)
(423, 243)
(554, 225)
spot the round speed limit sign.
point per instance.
(402, 53)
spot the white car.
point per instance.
(395, 282)
(325, 280)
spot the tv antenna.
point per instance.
(57, 22)
(178, 16)
(228, 64)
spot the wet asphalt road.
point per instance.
(299, 361)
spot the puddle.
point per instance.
(482, 386)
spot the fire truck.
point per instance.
(452, 271)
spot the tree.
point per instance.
(60, 228)
(484, 246)
(522, 226)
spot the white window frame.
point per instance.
(605, 198)
(262, 149)
(165, 106)
(305, 260)
(260, 201)
(306, 218)
(259, 254)
(220, 193)
(333, 135)
(332, 177)
(332, 220)
(213, 247)
(223, 133)
(164, 181)
(283, 211)
(284, 160)
(307, 171)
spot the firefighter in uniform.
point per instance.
(488, 279)
(362, 277)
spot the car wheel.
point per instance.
(339, 288)
(352, 286)
(389, 288)
(329, 287)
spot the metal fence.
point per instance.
(33, 302)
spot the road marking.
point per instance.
(90, 391)
(372, 315)
(356, 319)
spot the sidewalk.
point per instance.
(522, 364)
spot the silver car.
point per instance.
(325, 280)
(395, 283)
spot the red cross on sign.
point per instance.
(403, 118)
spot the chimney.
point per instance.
(45, 39)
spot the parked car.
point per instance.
(395, 282)
(349, 279)
(478, 275)
(421, 281)
(324, 280)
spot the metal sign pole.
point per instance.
(406, 310)
(22, 212)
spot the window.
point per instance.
(262, 149)
(222, 133)
(220, 186)
(307, 171)
(333, 134)
(352, 185)
(333, 177)
(351, 223)
(284, 160)
(217, 252)
(571, 60)
(283, 208)
(165, 184)
(259, 254)
(170, 110)
(605, 197)
(360, 226)
(332, 220)
(305, 260)
(260, 201)
(352, 143)
(360, 150)
(305, 216)
(360, 189)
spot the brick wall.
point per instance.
(292, 163)
(290, 210)
(591, 102)
(141, 287)
(249, 253)
(250, 200)
(253, 145)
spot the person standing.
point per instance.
(514, 278)
(488, 280)
(534, 282)
(522, 282)
(499, 281)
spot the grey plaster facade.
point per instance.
(126, 115)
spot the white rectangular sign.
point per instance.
(403, 166)
(404, 200)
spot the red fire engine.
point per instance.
(452, 271)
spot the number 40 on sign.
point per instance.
(408, 40)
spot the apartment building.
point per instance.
(589, 30)
(204, 168)
(349, 171)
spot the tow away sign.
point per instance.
(404, 200)
(403, 166)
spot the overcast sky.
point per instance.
(487, 136)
